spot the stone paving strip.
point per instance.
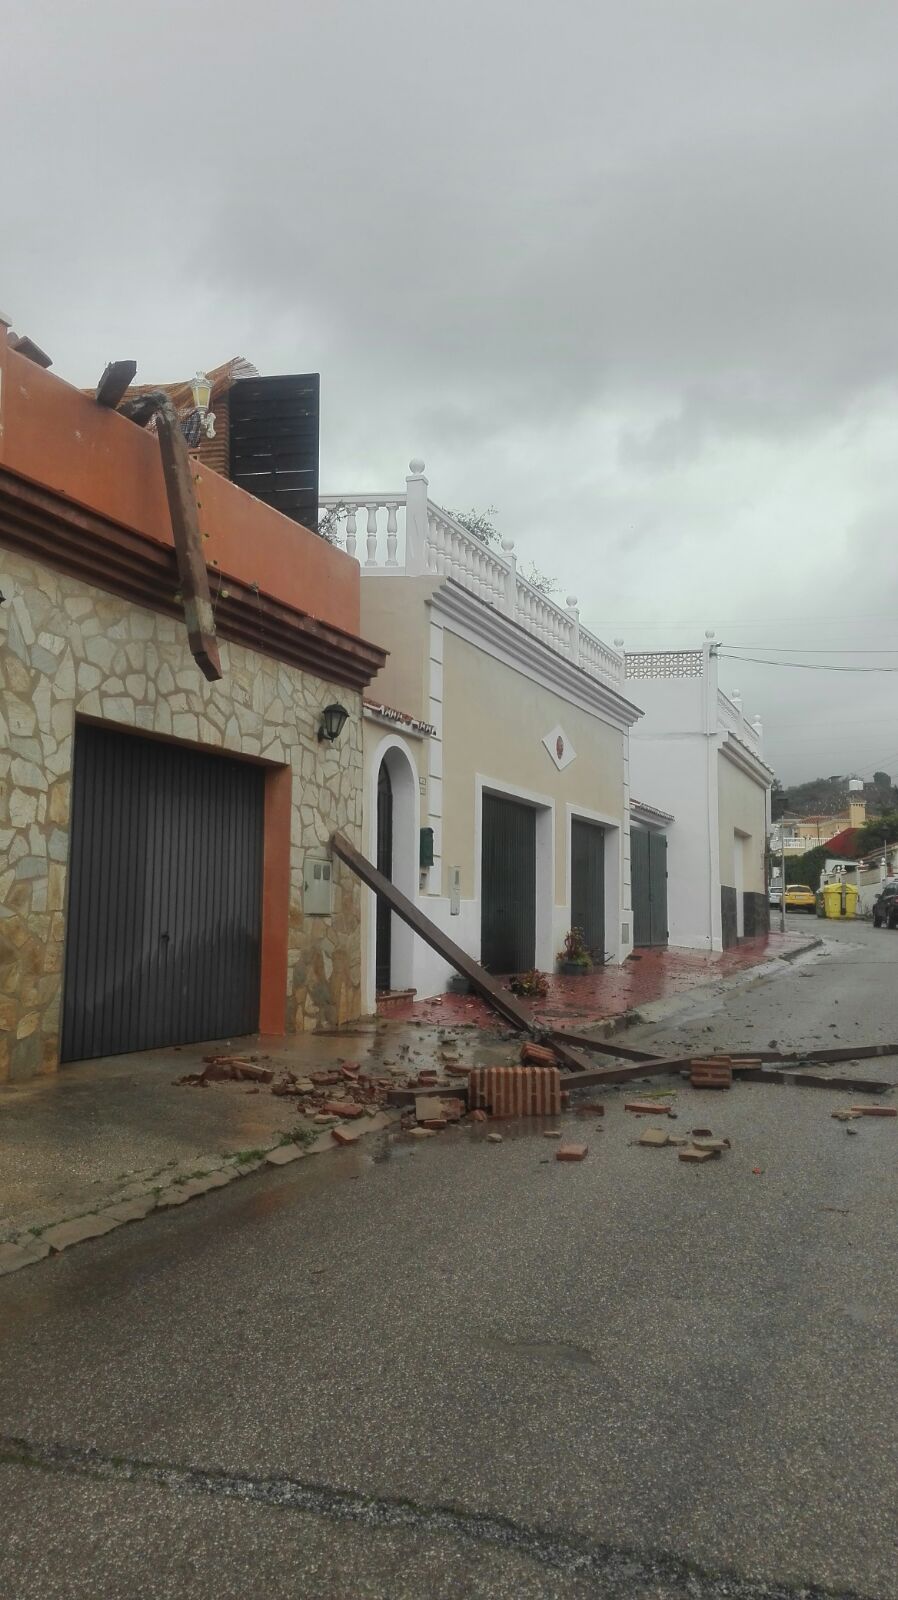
(138, 1195)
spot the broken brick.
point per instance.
(657, 1137)
(693, 1153)
(571, 1152)
(476, 1116)
(875, 1111)
(346, 1135)
(494, 1138)
(647, 1108)
(342, 1108)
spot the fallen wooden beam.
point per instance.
(117, 376)
(487, 987)
(195, 596)
(605, 1047)
(812, 1080)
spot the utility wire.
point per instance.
(811, 650)
(804, 666)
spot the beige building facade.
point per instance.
(521, 750)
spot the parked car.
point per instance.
(800, 898)
(775, 895)
(885, 907)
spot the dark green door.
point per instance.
(648, 878)
(588, 885)
(507, 886)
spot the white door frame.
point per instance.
(613, 872)
(403, 772)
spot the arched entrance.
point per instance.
(393, 845)
(383, 915)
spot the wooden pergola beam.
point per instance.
(114, 382)
(195, 596)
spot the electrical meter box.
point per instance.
(318, 887)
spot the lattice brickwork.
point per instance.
(664, 664)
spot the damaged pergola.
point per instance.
(573, 1049)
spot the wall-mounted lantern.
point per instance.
(333, 719)
(201, 389)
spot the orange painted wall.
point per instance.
(275, 901)
(60, 439)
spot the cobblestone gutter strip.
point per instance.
(137, 1196)
(620, 1572)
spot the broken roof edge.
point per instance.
(646, 813)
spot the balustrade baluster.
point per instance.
(350, 530)
(391, 534)
(372, 537)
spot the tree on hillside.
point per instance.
(876, 830)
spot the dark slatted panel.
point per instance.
(273, 442)
(383, 914)
(648, 880)
(588, 885)
(658, 886)
(640, 886)
(165, 896)
(508, 886)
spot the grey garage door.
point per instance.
(508, 886)
(588, 885)
(163, 934)
(648, 874)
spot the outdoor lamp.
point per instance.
(201, 389)
(332, 720)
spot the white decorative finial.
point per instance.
(508, 544)
(736, 697)
(416, 465)
(709, 633)
(572, 602)
(618, 644)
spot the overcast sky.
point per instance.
(625, 269)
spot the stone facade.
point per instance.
(67, 649)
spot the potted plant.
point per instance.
(531, 985)
(574, 959)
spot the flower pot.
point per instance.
(574, 969)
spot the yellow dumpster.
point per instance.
(839, 899)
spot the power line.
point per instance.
(803, 666)
(815, 650)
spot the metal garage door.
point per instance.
(648, 876)
(588, 885)
(508, 886)
(165, 894)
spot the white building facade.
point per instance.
(694, 753)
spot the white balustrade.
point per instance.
(433, 541)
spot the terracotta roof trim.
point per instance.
(378, 712)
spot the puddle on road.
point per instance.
(555, 1351)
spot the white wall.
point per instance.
(672, 773)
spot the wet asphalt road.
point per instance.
(460, 1369)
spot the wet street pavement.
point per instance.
(452, 1368)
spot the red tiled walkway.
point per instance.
(608, 991)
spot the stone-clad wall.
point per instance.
(65, 649)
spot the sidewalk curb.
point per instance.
(78, 1227)
(658, 1010)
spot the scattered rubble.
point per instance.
(572, 1152)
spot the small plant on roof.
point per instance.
(574, 956)
(533, 985)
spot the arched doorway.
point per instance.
(391, 834)
(383, 914)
